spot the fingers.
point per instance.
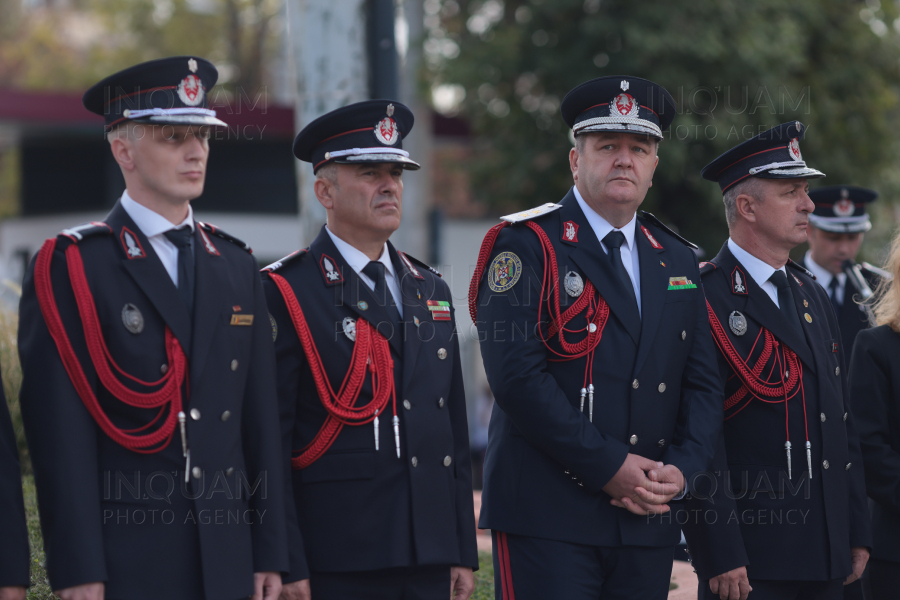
(659, 493)
(744, 588)
(639, 507)
(851, 578)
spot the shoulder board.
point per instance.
(293, 256)
(416, 261)
(876, 270)
(707, 267)
(793, 264)
(531, 213)
(225, 236)
(658, 223)
(79, 232)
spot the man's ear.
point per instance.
(746, 205)
(123, 152)
(573, 163)
(324, 190)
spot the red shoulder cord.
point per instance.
(590, 302)
(166, 396)
(371, 353)
(790, 373)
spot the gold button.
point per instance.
(822, 417)
(845, 416)
(407, 405)
(442, 354)
(837, 370)
(661, 443)
(195, 414)
(163, 368)
(234, 365)
(414, 461)
(825, 464)
(226, 415)
(847, 468)
(441, 403)
(633, 439)
(683, 334)
(661, 388)
(635, 384)
(196, 472)
(447, 461)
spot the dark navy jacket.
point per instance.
(358, 509)
(853, 317)
(129, 519)
(875, 386)
(656, 387)
(748, 512)
(14, 554)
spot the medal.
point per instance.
(574, 284)
(738, 323)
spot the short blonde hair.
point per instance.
(885, 303)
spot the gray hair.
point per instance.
(750, 187)
(329, 172)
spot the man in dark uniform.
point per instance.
(368, 361)
(597, 348)
(148, 373)
(836, 231)
(784, 509)
(14, 554)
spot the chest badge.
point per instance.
(132, 318)
(349, 326)
(738, 282)
(570, 231)
(504, 272)
(738, 323)
(574, 284)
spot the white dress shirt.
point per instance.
(757, 269)
(824, 277)
(629, 252)
(154, 225)
(357, 261)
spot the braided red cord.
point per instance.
(370, 352)
(101, 358)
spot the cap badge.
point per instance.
(625, 105)
(738, 323)
(794, 149)
(574, 284)
(349, 327)
(386, 131)
(624, 85)
(190, 90)
(570, 231)
(843, 207)
(192, 65)
(390, 110)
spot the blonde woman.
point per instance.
(875, 392)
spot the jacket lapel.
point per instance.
(148, 272)
(590, 257)
(415, 308)
(211, 287)
(654, 284)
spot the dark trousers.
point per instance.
(784, 590)
(884, 578)
(405, 583)
(527, 568)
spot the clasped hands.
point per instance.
(644, 486)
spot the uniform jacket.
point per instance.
(129, 519)
(875, 388)
(358, 509)
(748, 512)
(14, 554)
(853, 317)
(656, 393)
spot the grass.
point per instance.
(40, 586)
(484, 578)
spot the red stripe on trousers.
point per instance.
(505, 571)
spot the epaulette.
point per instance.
(876, 270)
(801, 268)
(707, 267)
(283, 261)
(225, 236)
(531, 213)
(658, 223)
(415, 260)
(79, 232)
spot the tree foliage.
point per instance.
(735, 68)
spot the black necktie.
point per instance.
(614, 240)
(833, 289)
(786, 300)
(375, 271)
(181, 237)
